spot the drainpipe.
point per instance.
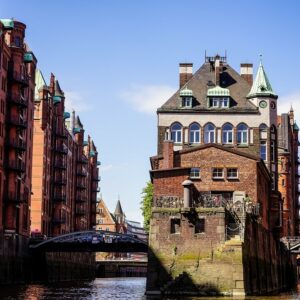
(187, 193)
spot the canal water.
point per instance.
(100, 288)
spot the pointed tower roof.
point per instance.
(261, 85)
(118, 210)
(39, 83)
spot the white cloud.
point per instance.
(285, 103)
(147, 98)
(74, 101)
(106, 168)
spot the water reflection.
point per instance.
(102, 288)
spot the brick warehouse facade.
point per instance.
(48, 166)
(217, 209)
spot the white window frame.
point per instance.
(227, 133)
(209, 135)
(187, 101)
(176, 135)
(195, 173)
(193, 133)
(243, 133)
(216, 174)
(230, 176)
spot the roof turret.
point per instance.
(118, 210)
(261, 86)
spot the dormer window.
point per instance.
(186, 96)
(187, 101)
(218, 97)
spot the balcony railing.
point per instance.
(17, 121)
(59, 220)
(59, 164)
(81, 173)
(19, 78)
(96, 178)
(96, 190)
(60, 181)
(17, 198)
(61, 134)
(17, 99)
(81, 199)
(82, 160)
(17, 144)
(80, 211)
(16, 165)
(59, 197)
(61, 149)
(81, 186)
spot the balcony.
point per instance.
(60, 181)
(80, 211)
(76, 130)
(80, 186)
(61, 149)
(59, 220)
(96, 190)
(16, 165)
(96, 178)
(17, 99)
(28, 57)
(61, 134)
(85, 143)
(92, 153)
(59, 164)
(98, 163)
(16, 198)
(67, 115)
(19, 78)
(80, 199)
(81, 173)
(82, 160)
(17, 144)
(18, 122)
(59, 197)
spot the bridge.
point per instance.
(90, 241)
(292, 243)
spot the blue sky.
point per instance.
(117, 61)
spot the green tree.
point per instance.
(146, 204)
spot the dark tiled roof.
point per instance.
(118, 210)
(204, 79)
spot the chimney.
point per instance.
(185, 73)
(247, 73)
(168, 155)
(218, 68)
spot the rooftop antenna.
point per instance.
(260, 59)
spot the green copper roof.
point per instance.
(7, 23)
(85, 143)
(67, 115)
(56, 99)
(186, 92)
(39, 83)
(296, 127)
(261, 85)
(92, 153)
(28, 57)
(76, 130)
(218, 91)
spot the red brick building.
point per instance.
(65, 166)
(18, 66)
(217, 210)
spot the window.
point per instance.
(232, 173)
(107, 228)
(195, 173)
(219, 102)
(194, 133)
(187, 101)
(273, 156)
(200, 226)
(217, 173)
(273, 186)
(176, 135)
(263, 150)
(209, 133)
(242, 134)
(227, 134)
(263, 131)
(175, 225)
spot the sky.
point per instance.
(117, 62)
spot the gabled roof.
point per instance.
(40, 82)
(107, 213)
(58, 90)
(118, 210)
(203, 80)
(261, 85)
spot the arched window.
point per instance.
(242, 134)
(194, 133)
(263, 141)
(209, 133)
(176, 133)
(227, 134)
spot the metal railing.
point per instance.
(18, 100)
